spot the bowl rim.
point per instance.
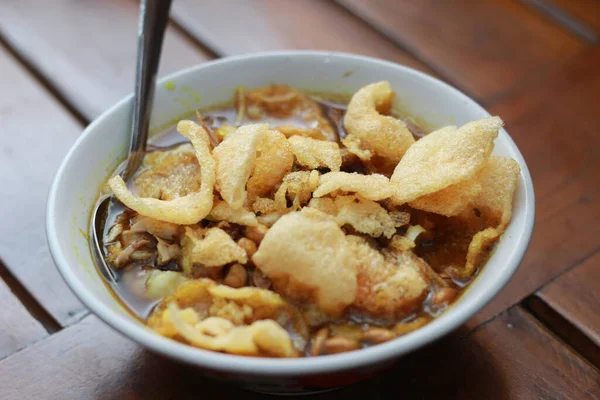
(286, 366)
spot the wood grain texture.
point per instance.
(500, 360)
(587, 11)
(86, 49)
(36, 134)
(554, 123)
(485, 47)
(237, 26)
(18, 328)
(575, 295)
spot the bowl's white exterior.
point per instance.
(103, 145)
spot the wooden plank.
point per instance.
(238, 26)
(554, 123)
(485, 47)
(36, 134)
(511, 357)
(499, 360)
(17, 327)
(575, 295)
(86, 49)
(564, 329)
(586, 10)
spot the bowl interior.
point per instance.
(103, 145)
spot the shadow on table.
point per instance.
(450, 368)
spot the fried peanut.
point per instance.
(247, 245)
(340, 344)
(377, 335)
(318, 343)
(237, 276)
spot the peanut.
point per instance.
(319, 341)
(247, 245)
(237, 276)
(340, 344)
(378, 335)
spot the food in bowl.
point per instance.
(289, 227)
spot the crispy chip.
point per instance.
(280, 200)
(232, 318)
(166, 175)
(235, 158)
(385, 136)
(373, 187)
(223, 212)
(301, 184)
(290, 130)
(218, 334)
(386, 288)
(306, 256)
(275, 159)
(254, 297)
(352, 143)
(264, 206)
(269, 206)
(314, 153)
(449, 201)
(477, 252)
(194, 293)
(210, 248)
(499, 179)
(443, 158)
(269, 219)
(365, 216)
(296, 186)
(280, 101)
(184, 210)
(266, 304)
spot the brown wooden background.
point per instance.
(536, 63)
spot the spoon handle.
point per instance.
(154, 17)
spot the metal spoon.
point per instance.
(154, 16)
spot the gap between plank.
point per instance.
(42, 80)
(203, 47)
(406, 48)
(564, 19)
(563, 330)
(34, 308)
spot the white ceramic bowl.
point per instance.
(103, 145)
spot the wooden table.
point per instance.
(536, 63)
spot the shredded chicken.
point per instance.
(167, 252)
(160, 229)
(125, 257)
